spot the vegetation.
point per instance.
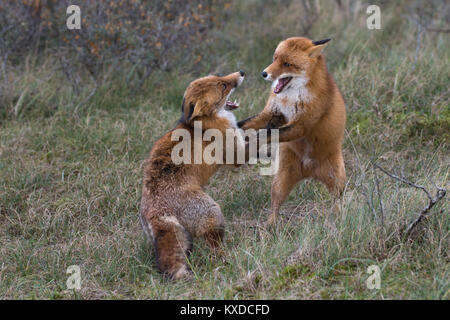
(77, 124)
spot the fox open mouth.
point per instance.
(229, 105)
(281, 83)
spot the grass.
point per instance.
(70, 176)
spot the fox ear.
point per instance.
(194, 110)
(315, 51)
(316, 43)
(319, 45)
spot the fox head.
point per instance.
(209, 95)
(293, 63)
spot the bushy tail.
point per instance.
(173, 244)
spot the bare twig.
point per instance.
(70, 74)
(440, 193)
(361, 186)
(423, 25)
(438, 30)
(420, 30)
(404, 181)
(4, 70)
(380, 198)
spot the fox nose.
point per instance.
(242, 73)
(264, 74)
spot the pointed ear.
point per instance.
(316, 43)
(194, 110)
(315, 51)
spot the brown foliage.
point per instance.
(146, 34)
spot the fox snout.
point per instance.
(266, 75)
(234, 79)
(240, 78)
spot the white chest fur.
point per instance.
(229, 116)
(289, 109)
(291, 100)
(233, 126)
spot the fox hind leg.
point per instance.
(287, 176)
(332, 174)
(148, 233)
(204, 219)
(212, 228)
(173, 244)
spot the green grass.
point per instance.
(70, 176)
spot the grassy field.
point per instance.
(70, 173)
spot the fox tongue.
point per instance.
(280, 84)
(231, 105)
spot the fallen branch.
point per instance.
(440, 193)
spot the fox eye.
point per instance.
(224, 85)
(287, 64)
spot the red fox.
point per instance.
(305, 95)
(174, 206)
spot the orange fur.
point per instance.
(174, 206)
(314, 113)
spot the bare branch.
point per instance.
(438, 30)
(440, 193)
(405, 181)
(87, 98)
(380, 198)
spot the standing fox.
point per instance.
(313, 110)
(174, 206)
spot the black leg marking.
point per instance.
(241, 123)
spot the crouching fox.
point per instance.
(174, 206)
